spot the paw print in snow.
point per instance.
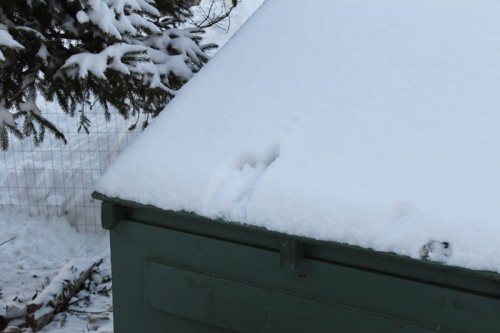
(436, 251)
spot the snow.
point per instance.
(98, 63)
(34, 251)
(7, 40)
(69, 272)
(55, 179)
(43, 53)
(154, 64)
(82, 17)
(118, 18)
(100, 14)
(372, 123)
(6, 117)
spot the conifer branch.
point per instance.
(119, 52)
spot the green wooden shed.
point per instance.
(178, 272)
(334, 168)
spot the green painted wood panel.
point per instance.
(388, 296)
(131, 313)
(236, 304)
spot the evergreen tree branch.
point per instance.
(70, 51)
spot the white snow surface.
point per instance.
(32, 252)
(372, 123)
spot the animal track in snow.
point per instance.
(253, 160)
(436, 251)
(235, 186)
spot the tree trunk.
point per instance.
(12, 314)
(54, 298)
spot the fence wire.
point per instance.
(55, 179)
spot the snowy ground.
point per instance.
(34, 251)
(33, 248)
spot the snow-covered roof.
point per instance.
(373, 123)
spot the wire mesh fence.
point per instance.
(55, 179)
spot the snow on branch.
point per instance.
(6, 40)
(119, 18)
(7, 122)
(172, 53)
(34, 123)
(97, 64)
